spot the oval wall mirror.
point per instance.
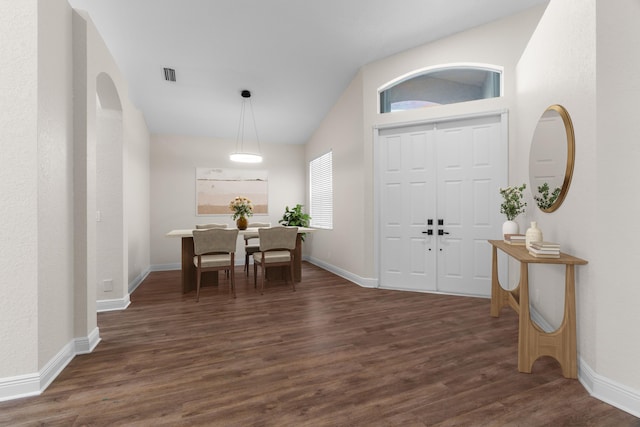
(551, 158)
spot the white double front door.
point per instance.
(439, 204)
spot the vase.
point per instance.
(242, 223)
(533, 234)
(510, 227)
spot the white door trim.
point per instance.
(503, 112)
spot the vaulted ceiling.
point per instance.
(296, 56)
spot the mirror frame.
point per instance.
(571, 152)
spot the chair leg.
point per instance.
(246, 263)
(264, 277)
(255, 275)
(232, 285)
(199, 277)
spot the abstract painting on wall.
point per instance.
(215, 188)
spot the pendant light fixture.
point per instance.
(241, 155)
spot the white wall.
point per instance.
(124, 178)
(616, 252)
(341, 132)
(110, 243)
(558, 67)
(174, 160)
(137, 195)
(19, 188)
(55, 179)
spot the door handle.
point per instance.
(429, 225)
(442, 232)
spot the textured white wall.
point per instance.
(137, 193)
(174, 160)
(55, 179)
(341, 132)
(616, 253)
(110, 241)
(129, 168)
(19, 188)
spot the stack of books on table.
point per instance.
(514, 239)
(544, 249)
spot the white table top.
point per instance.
(254, 230)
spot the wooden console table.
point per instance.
(533, 342)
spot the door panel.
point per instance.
(468, 202)
(407, 175)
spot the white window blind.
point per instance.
(321, 191)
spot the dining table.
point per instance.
(187, 253)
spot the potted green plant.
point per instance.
(512, 206)
(295, 217)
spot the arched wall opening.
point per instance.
(111, 243)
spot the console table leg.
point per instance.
(499, 297)
(533, 342)
(568, 351)
(524, 322)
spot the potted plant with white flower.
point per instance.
(513, 204)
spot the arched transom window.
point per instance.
(442, 85)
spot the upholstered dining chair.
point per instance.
(207, 226)
(276, 249)
(211, 225)
(214, 250)
(252, 242)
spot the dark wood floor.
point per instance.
(330, 354)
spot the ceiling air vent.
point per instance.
(169, 74)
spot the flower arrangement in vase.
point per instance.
(241, 208)
(512, 206)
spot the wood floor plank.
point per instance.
(330, 354)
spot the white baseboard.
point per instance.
(103, 305)
(35, 383)
(54, 366)
(361, 281)
(87, 344)
(133, 285)
(600, 387)
(124, 302)
(609, 391)
(166, 267)
(19, 386)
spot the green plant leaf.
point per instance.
(295, 217)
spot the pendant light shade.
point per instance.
(242, 154)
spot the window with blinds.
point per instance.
(321, 191)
